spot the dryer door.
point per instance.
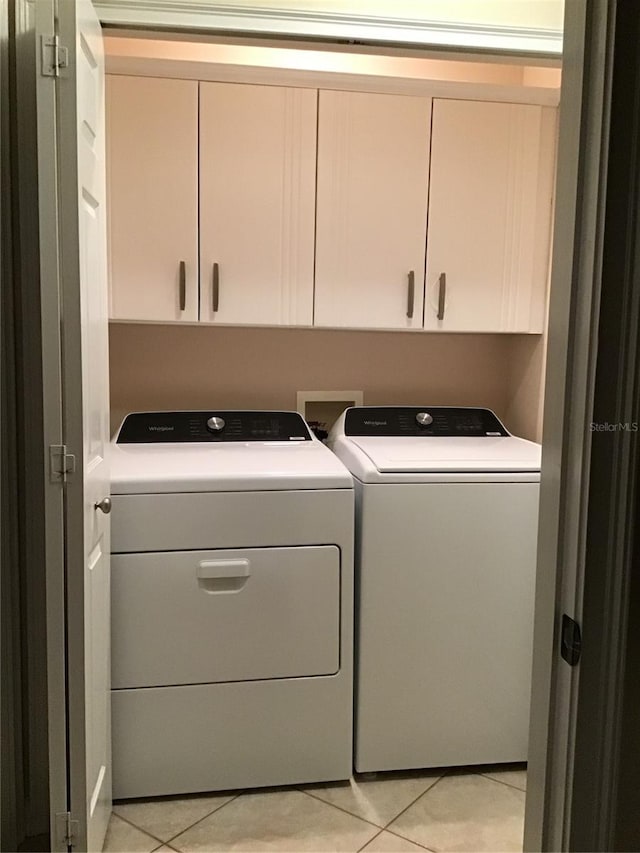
(195, 617)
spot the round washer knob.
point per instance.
(215, 424)
(424, 418)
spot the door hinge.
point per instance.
(54, 56)
(67, 829)
(61, 463)
(570, 640)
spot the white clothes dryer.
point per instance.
(446, 530)
(232, 603)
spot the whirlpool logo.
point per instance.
(161, 429)
(375, 423)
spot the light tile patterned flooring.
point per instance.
(461, 811)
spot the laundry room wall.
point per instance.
(525, 392)
(191, 367)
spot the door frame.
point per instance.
(39, 162)
(37, 514)
(388, 31)
(569, 391)
(570, 386)
(606, 783)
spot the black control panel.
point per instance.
(219, 426)
(426, 421)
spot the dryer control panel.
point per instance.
(218, 426)
(422, 421)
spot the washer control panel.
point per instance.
(164, 427)
(426, 421)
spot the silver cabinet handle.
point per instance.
(442, 294)
(215, 287)
(104, 505)
(411, 289)
(183, 285)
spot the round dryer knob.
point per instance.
(215, 424)
(424, 418)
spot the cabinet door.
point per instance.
(373, 175)
(152, 135)
(257, 203)
(492, 168)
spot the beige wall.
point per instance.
(183, 54)
(526, 385)
(184, 367)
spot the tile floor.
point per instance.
(456, 810)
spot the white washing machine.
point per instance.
(446, 529)
(232, 603)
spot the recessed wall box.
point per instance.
(323, 408)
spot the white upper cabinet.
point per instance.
(152, 136)
(223, 196)
(373, 175)
(490, 204)
(257, 203)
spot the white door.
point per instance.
(76, 247)
(491, 188)
(257, 203)
(152, 164)
(373, 184)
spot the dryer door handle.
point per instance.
(220, 576)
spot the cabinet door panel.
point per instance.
(257, 203)
(373, 164)
(153, 197)
(490, 203)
